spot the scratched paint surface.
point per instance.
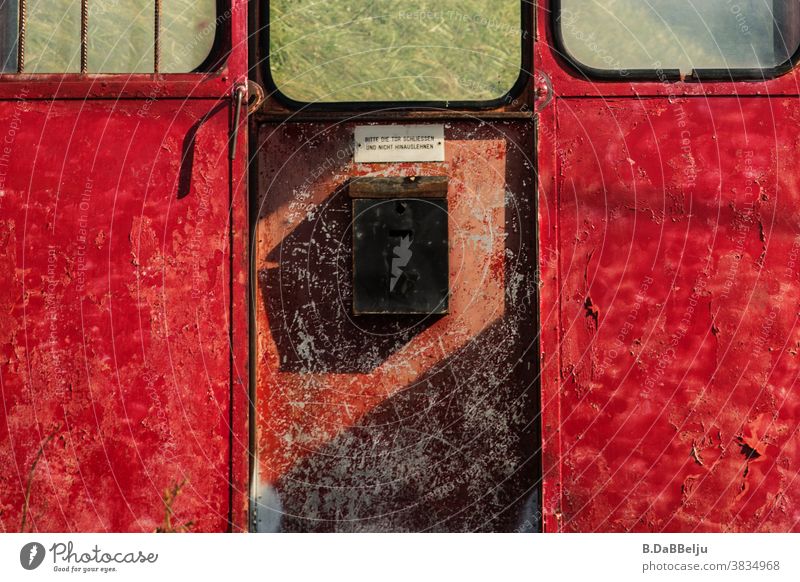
(114, 359)
(679, 256)
(387, 423)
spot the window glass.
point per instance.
(121, 35)
(8, 36)
(680, 34)
(121, 45)
(187, 35)
(385, 50)
(53, 36)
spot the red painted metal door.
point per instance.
(123, 334)
(381, 422)
(395, 422)
(669, 233)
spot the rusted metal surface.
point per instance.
(123, 344)
(85, 36)
(22, 34)
(395, 423)
(157, 36)
(670, 241)
(410, 186)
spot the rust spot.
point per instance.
(591, 310)
(100, 239)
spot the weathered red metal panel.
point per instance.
(385, 422)
(123, 344)
(670, 242)
(679, 307)
(115, 363)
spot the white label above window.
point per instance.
(399, 143)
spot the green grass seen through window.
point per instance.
(389, 50)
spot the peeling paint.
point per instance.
(116, 379)
(692, 425)
(386, 423)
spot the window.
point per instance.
(120, 35)
(389, 51)
(604, 36)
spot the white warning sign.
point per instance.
(399, 143)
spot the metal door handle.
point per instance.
(255, 98)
